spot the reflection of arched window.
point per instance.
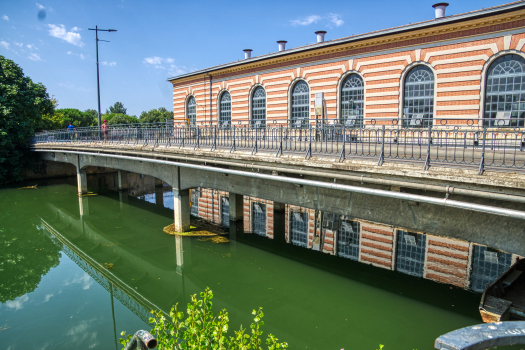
(352, 92)
(505, 92)
(191, 110)
(259, 108)
(418, 103)
(300, 104)
(225, 114)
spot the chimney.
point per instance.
(282, 45)
(320, 35)
(440, 9)
(247, 53)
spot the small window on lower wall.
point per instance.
(195, 195)
(225, 211)
(487, 265)
(299, 227)
(348, 239)
(410, 253)
(259, 219)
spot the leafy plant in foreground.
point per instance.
(201, 329)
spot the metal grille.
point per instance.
(259, 218)
(487, 266)
(410, 257)
(225, 211)
(505, 92)
(418, 104)
(195, 195)
(348, 239)
(225, 118)
(299, 228)
(192, 110)
(259, 108)
(300, 104)
(352, 93)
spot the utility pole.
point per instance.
(98, 75)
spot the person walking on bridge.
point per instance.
(105, 129)
(71, 131)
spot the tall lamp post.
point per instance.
(98, 79)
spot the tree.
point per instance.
(93, 113)
(156, 115)
(51, 121)
(118, 107)
(76, 117)
(22, 104)
(117, 118)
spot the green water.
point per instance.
(56, 294)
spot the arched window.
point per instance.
(225, 114)
(259, 108)
(300, 104)
(352, 92)
(505, 92)
(191, 111)
(418, 103)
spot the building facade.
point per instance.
(466, 69)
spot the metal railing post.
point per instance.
(382, 155)
(342, 155)
(280, 149)
(232, 149)
(427, 161)
(482, 161)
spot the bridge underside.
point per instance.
(492, 230)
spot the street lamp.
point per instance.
(98, 79)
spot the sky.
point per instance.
(156, 40)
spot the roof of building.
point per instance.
(394, 30)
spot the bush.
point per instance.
(200, 329)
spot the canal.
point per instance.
(76, 271)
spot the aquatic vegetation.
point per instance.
(201, 329)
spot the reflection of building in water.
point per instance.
(444, 260)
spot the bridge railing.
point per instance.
(469, 146)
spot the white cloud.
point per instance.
(59, 31)
(40, 7)
(306, 21)
(5, 18)
(47, 297)
(111, 64)
(5, 44)
(34, 57)
(335, 19)
(31, 47)
(170, 60)
(176, 70)
(81, 55)
(75, 29)
(18, 303)
(83, 280)
(153, 60)
(18, 44)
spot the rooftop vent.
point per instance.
(247, 53)
(320, 35)
(282, 45)
(440, 9)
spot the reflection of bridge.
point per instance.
(134, 301)
(487, 209)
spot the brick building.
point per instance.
(453, 69)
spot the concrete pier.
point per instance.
(123, 180)
(181, 205)
(82, 181)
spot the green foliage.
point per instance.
(22, 104)
(117, 118)
(93, 113)
(117, 108)
(201, 329)
(76, 117)
(51, 121)
(155, 115)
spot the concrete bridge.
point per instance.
(442, 200)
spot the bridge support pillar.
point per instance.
(279, 222)
(181, 204)
(158, 183)
(122, 180)
(82, 181)
(236, 208)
